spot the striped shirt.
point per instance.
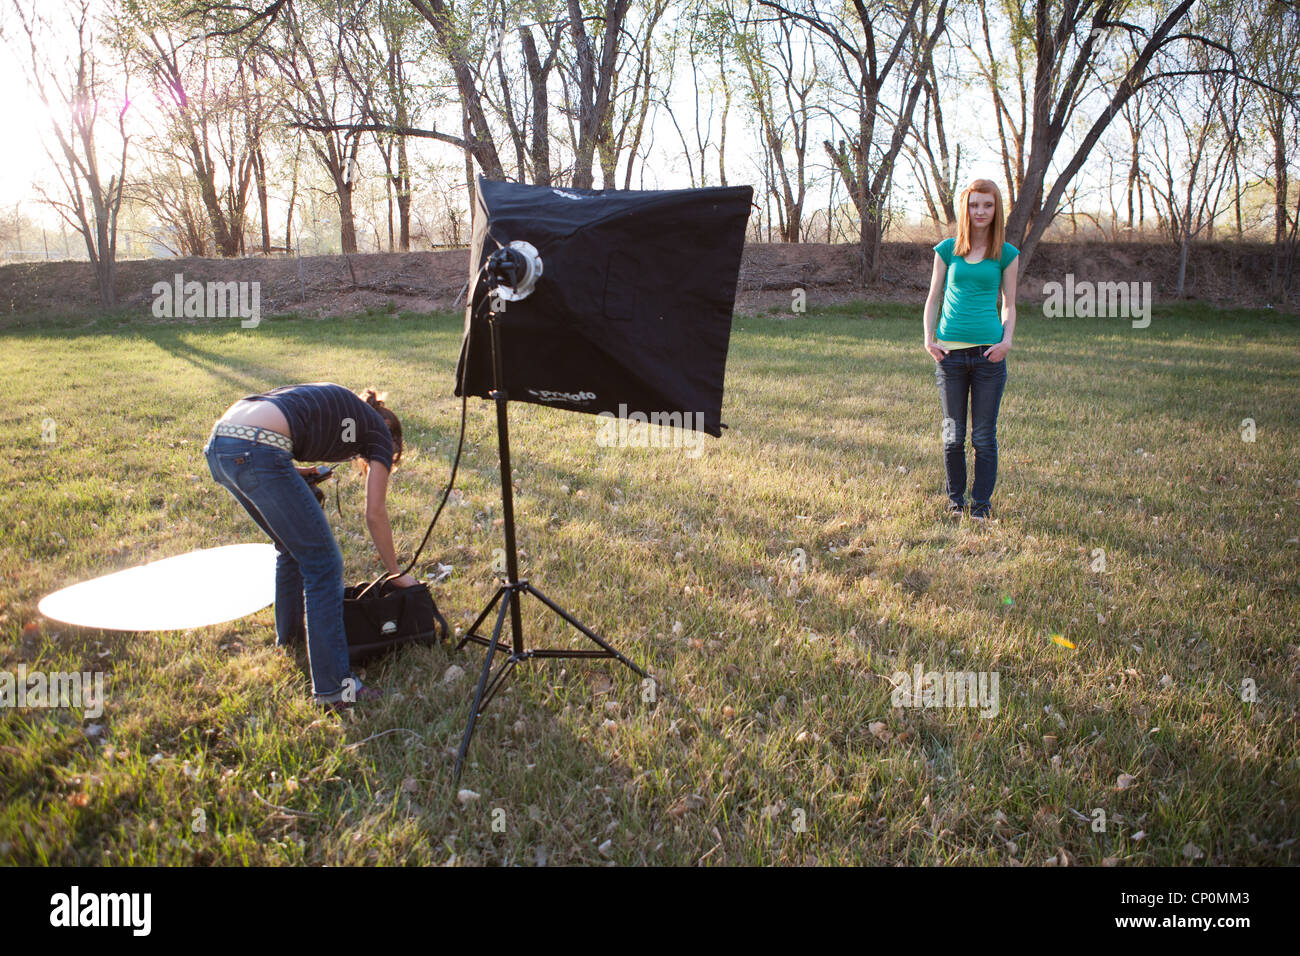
(328, 422)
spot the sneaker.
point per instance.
(980, 514)
(953, 510)
(367, 694)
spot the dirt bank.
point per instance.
(1227, 274)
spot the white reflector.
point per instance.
(189, 590)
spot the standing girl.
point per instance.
(970, 344)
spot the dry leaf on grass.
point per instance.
(686, 804)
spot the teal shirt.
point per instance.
(970, 296)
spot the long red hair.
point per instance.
(376, 401)
(997, 228)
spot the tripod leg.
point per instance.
(488, 661)
(479, 620)
(584, 629)
(497, 680)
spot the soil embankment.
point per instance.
(1226, 274)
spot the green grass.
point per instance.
(774, 701)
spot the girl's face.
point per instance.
(980, 208)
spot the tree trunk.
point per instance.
(482, 146)
(726, 108)
(388, 197)
(403, 196)
(1029, 219)
(262, 203)
(1133, 171)
(1279, 181)
(347, 225)
(103, 252)
(594, 84)
(226, 241)
(469, 168)
(1183, 250)
(288, 216)
(537, 77)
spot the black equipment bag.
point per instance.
(379, 617)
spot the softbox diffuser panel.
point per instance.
(633, 307)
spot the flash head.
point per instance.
(513, 270)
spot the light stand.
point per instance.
(513, 588)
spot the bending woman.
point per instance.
(251, 453)
(971, 344)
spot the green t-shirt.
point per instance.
(970, 296)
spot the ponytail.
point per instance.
(376, 401)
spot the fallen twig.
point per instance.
(382, 733)
(284, 810)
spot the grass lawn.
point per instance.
(772, 585)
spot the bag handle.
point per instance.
(385, 576)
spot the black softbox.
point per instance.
(633, 307)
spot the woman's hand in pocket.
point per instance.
(937, 351)
(996, 353)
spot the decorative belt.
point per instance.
(254, 433)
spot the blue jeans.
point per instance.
(308, 561)
(962, 373)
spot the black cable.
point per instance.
(460, 445)
(451, 482)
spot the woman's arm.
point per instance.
(938, 275)
(997, 353)
(381, 532)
